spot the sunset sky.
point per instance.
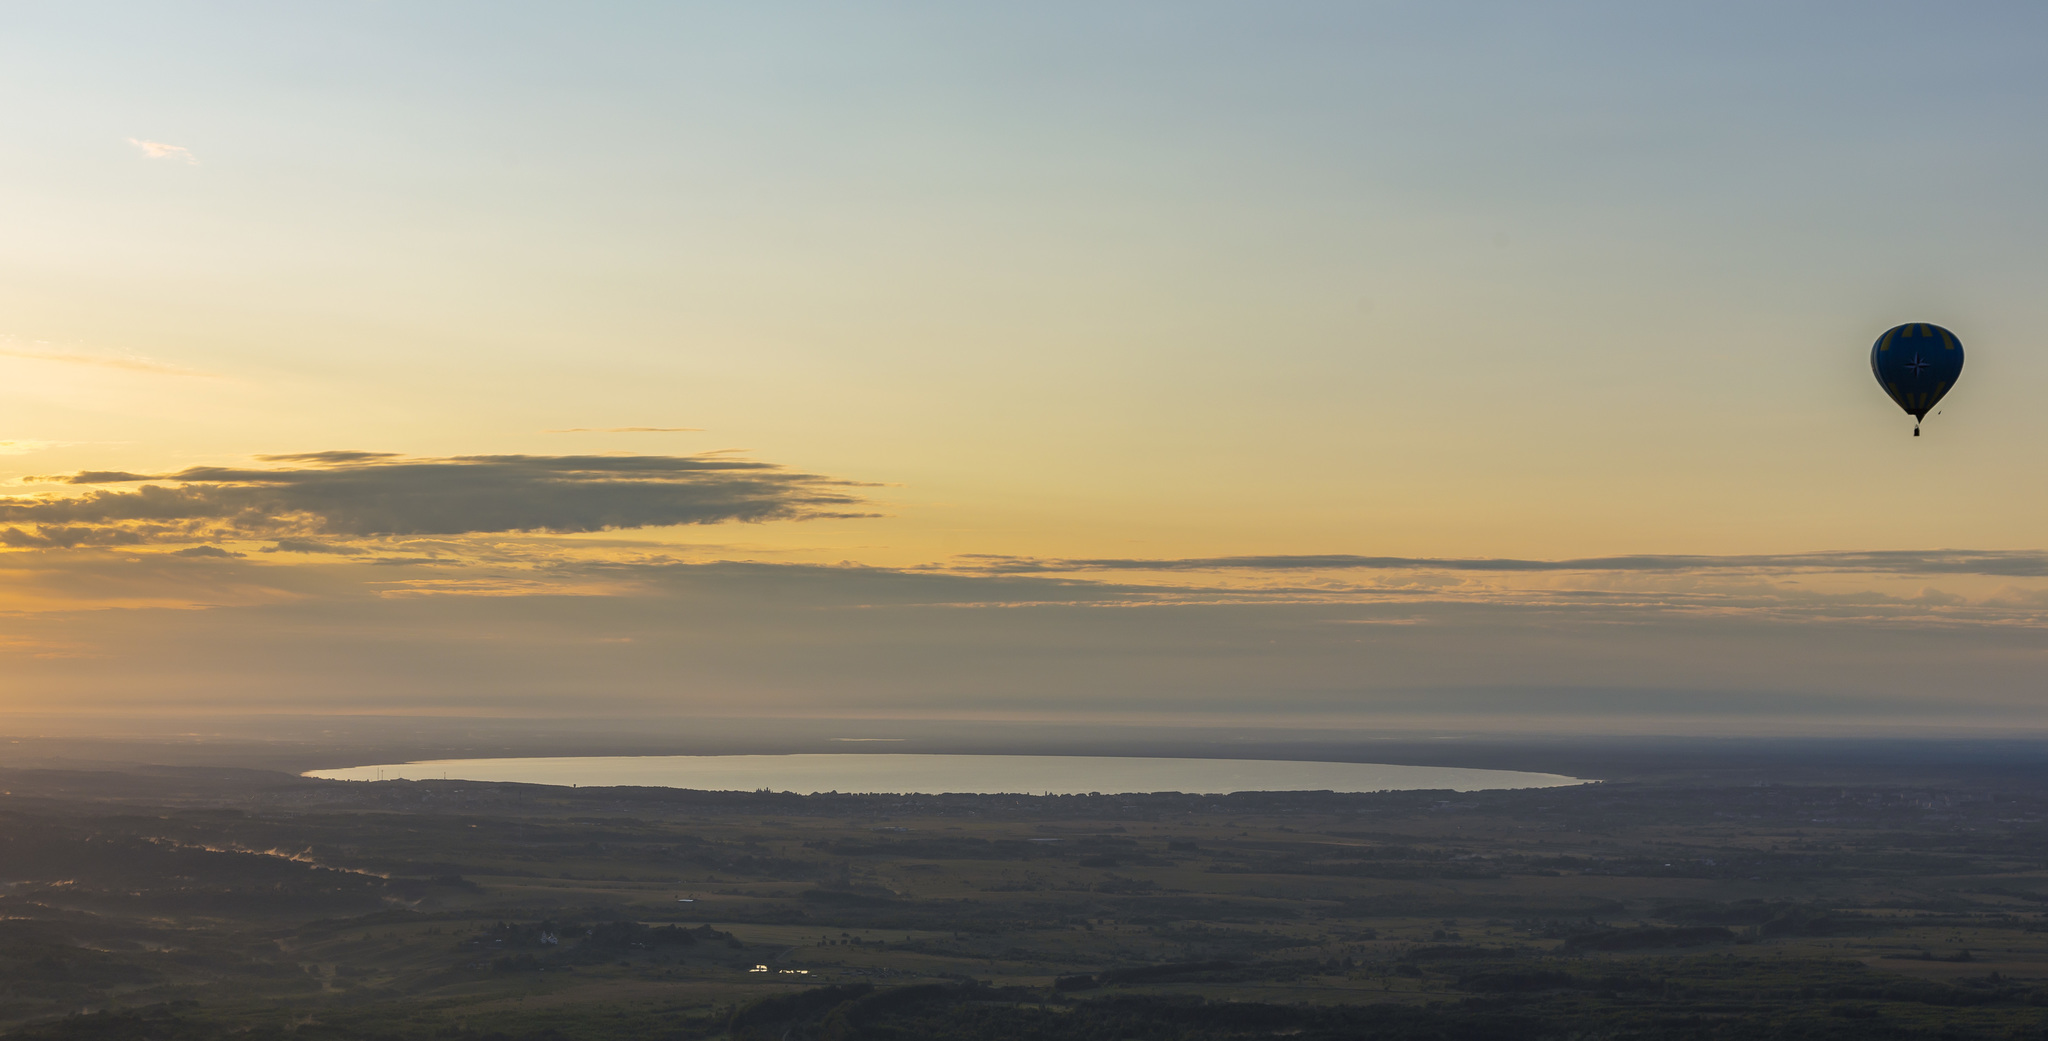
(1491, 366)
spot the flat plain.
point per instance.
(201, 902)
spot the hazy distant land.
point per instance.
(1711, 890)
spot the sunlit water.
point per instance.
(976, 774)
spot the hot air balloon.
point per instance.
(1916, 364)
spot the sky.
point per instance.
(1491, 366)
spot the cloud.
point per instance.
(2012, 563)
(331, 457)
(352, 494)
(310, 546)
(734, 638)
(24, 447)
(627, 430)
(39, 351)
(64, 536)
(392, 581)
(160, 150)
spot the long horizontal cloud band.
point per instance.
(2012, 563)
(758, 638)
(353, 494)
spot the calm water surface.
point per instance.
(936, 774)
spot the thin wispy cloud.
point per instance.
(24, 447)
(161, 150)
(626, 430)
(2007, 563)
(312, 546)
(41, 351)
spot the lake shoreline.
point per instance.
(971, 774)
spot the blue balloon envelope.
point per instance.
(1916, 364)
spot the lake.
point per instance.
(896, 773)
